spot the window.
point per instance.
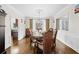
(62, 23)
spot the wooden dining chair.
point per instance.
(33, 44)
(45, 46)
(54, 31)
(54, 38)
(49, 42)
(27, 32)
(54, 41)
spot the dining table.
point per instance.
(35, 39)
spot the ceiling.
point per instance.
(31, 10)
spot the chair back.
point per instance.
(55, 35)
(54, 31)
(27, 32)
(47, 42)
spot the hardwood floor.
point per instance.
(61, 48)
(20, 47)
(23, 47)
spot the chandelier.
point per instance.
(39, 11)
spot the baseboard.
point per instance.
(68, 45)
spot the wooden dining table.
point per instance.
(36, 39)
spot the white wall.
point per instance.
(21, 29)
(11, 13)
(71, 37)
(7, 32)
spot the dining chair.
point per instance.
(49, 42)
(33, 44)
(27, 32)
(54, 41)
(45, 46)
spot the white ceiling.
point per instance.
(31, 9)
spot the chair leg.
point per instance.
(54, 49)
